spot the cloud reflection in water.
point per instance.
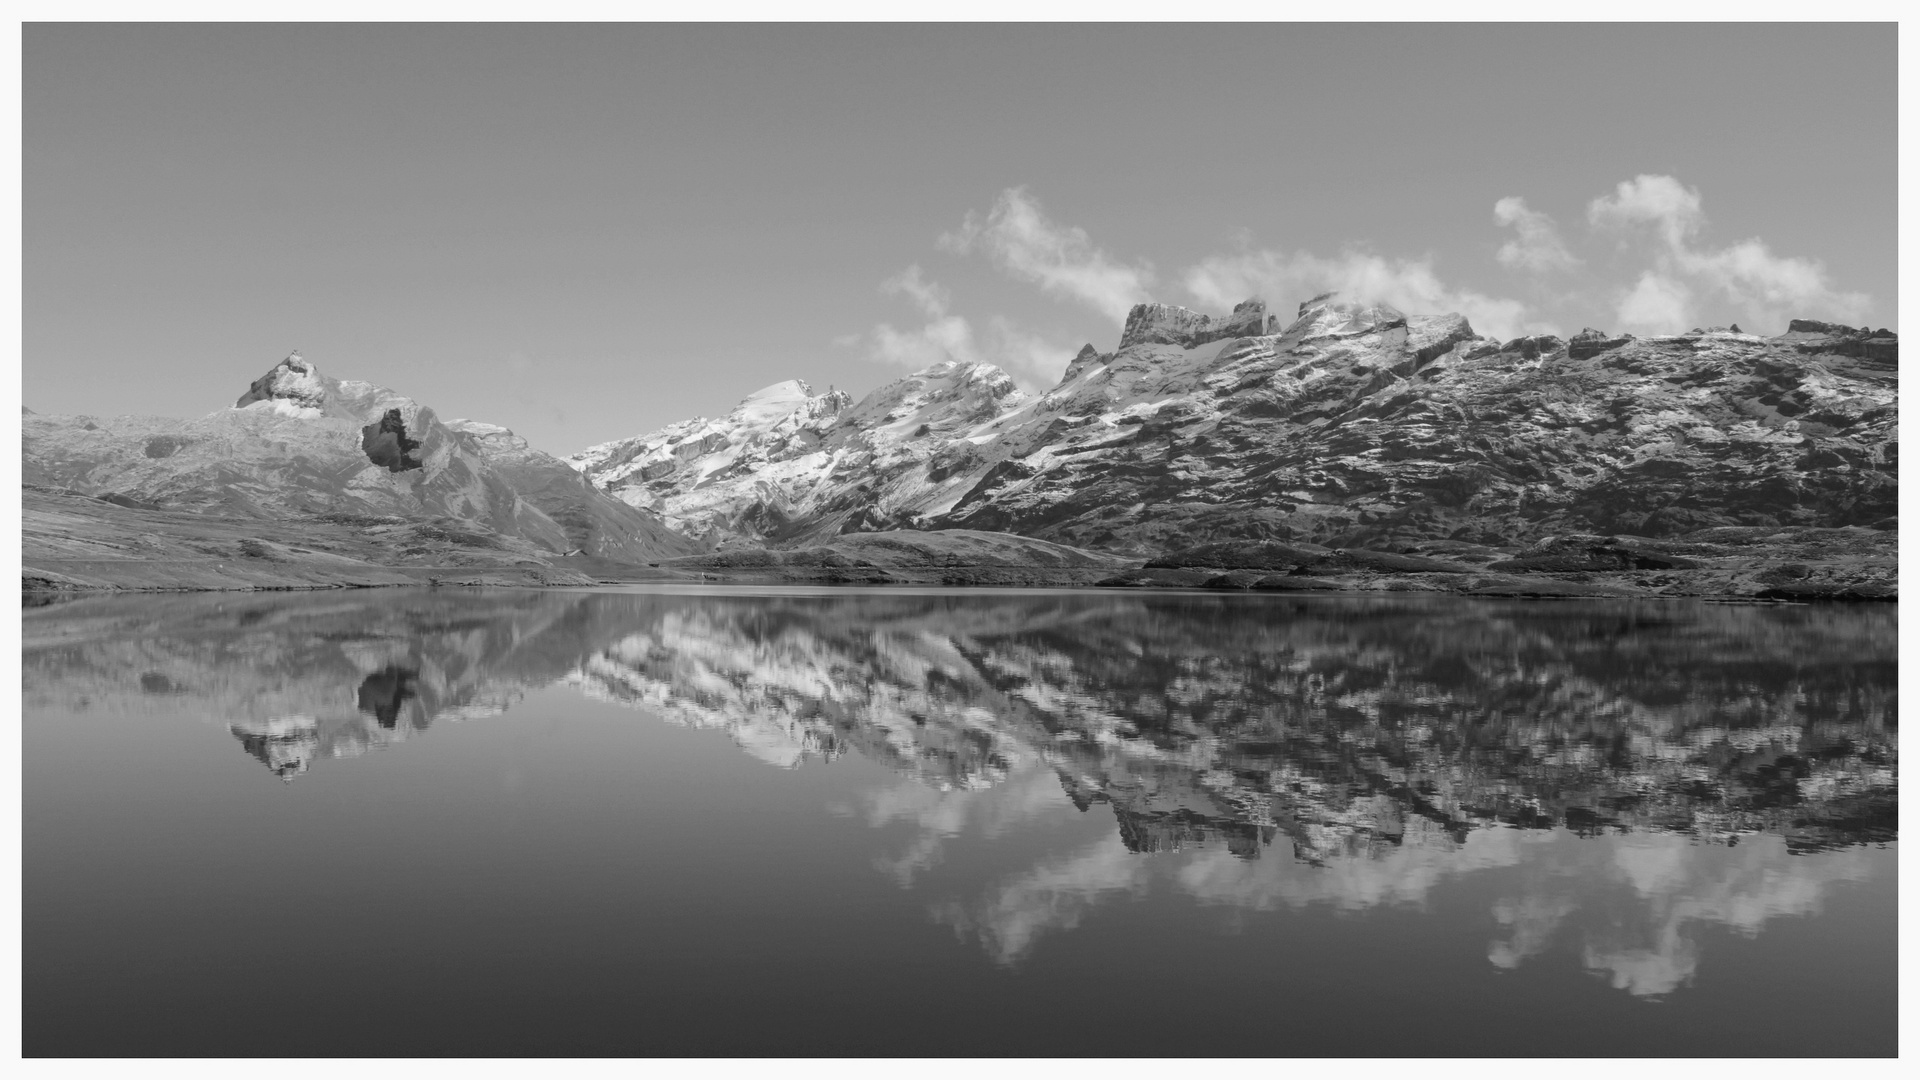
(1630, 773)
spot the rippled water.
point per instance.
(795, 822)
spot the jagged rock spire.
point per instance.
(293, 380)
(1170, 324)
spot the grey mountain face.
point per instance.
(1351, 425)
(300, 444)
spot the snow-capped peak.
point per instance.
(293, 387)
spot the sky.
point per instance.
(588, 232)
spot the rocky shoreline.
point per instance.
(1730, 562)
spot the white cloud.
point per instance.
(1775, 288)
(1661, 201)
(1538, 246)
(1061, 259)
(1035, 363)
(1657, 303)
(1765, 287)
(1410, 285)
(944, 336)
(940, 340)
(1657, 219)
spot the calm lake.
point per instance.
(943, 822)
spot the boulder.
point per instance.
(1590, 342)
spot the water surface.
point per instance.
(795, 822)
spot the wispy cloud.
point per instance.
(1773, 287)
(1662, 202)
(1538, 246)
(942, 337)
(1061, 259)
(1667, 214)
(1412, 285)
(930, 296)
(1034, 362)
(1658, 222)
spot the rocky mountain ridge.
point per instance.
(787, 456)
(303, 447)
(1353, 425)
(1355, 433)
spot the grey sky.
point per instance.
(587, 232)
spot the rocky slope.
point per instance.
(1763, 563)
(300, 446)
(593, 523)
(787, 464)
(1350, 426)
(72, 542)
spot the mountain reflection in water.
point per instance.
(1643, 768)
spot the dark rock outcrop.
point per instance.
(1589, 343)
(1570, 554)
(1258, 555)
(1534, 346)
(292, 381)
(387, 444)
(1813, 336)
(1168, 324)
(1084, 359)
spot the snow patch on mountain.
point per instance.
(786, 454)
(291, 388)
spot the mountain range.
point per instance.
(1350, 425)
(308, 480)
(1349, 428)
